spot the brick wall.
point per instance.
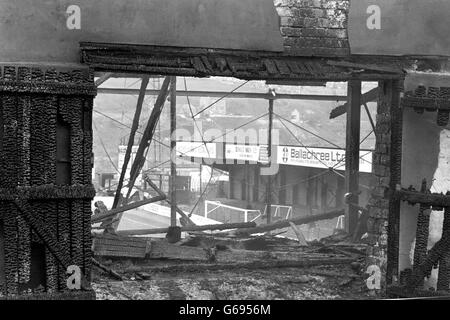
(384, 211)
(314, 27)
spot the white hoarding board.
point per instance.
(196, 149)
(320, 158)
(242, 152)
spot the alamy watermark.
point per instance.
(241, 137)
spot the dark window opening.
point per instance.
(2, 256)
(37, 268)
(63, 161)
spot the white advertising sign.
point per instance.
(242, 152)
(246, 153)
(320, 158)
(196, 149)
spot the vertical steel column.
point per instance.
(173, 145)
(352, 154)
(269, 153)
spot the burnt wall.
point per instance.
(383, 222)
(421, 148)
(45, 167)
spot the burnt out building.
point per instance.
(47, 86)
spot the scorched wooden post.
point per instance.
(352, 154)
(174, 233)
(269, 154)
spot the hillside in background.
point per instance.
(113, 114)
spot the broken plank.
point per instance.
(162, 194)
(163, 249)
(426, 199)
(109, 271)
(130, 244)
(225, 226)
(299, 234)
(285, 223)
(124, 254)
(137, 204)
(369, 96)
(270, 264)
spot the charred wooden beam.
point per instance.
(366, 97)
(109, 271)
(248, 65)
(47, 236)
(395, 160)
(286, 223)
(427, 103)
(148, 134)
(186, 220)
(103, 78)
(114, 212)
(432, 259)
(134, 128)
(435, 200)
(439, 252)
(372, 67)
(225, 226)
(352, 148)
(165, 250)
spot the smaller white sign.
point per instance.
(244, 152)
(196, 149)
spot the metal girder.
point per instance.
(234, 95)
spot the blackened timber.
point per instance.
(186, 220)
(304, 262)
(134, 205)
(47, 236)
(109, 271)
(366, 97)
(147, 137)
(103, 78)
(286, 223)
(395, 174)
(134, 128)
(247, 65)
(426, 199)
(432, 259)
(352, 153)
(430, 104)
(209, 227)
